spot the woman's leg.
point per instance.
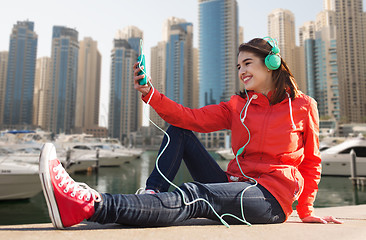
(70, 202)
(184, 145)
(168, 208)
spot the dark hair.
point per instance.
(282, 77)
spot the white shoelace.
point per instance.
(84, 189)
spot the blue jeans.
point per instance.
(211, 183)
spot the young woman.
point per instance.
(274, 136)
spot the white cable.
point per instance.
(292, 118)
(177, 187)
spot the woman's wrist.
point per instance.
(146, 92)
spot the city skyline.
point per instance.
(103, 29)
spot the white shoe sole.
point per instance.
(48, 152)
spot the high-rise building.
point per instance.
(218, 46)
(172, 65)
(329, 5)
(319, 41)
(61, 100)
(158, 76)
(125, 105)
(20, 75)
(326, 40)
(307, 37)
(88, 85)
(196, 89)
(306, 31)
(43, 68)
(298, 69)
(241, 35)
(305, 53)
(3, 70)
(179, 61)
(281, 26)
(351, 53)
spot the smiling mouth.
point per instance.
(246, 79)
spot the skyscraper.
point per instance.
(3, 70)
(43, 68)
(172, 65)
(306, 31)
(20, 75)
(61, 100)
(351, 53)
(196, 89)
(158, 75)
(281, 26)
(179, 61)
(319, 40)
(88, 85)
(307, 36)
(218, 47)
(241, 35)
(125, 105)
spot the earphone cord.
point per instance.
(178, 188)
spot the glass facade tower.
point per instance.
(18, 108)
(321, 64)
(3, 68)
(125, 105)
(218, 44)
(61, 100)
(179, 69)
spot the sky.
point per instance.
(101, 20)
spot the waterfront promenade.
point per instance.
(353, 228)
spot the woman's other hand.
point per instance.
(324, 220)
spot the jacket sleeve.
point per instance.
(206, 119)
(310, 168)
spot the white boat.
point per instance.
(226, 153)
(28, 153)
(136, 152)
(109, 150)
(336, 160)
(79, 158)
(110, 156)
(18, 180)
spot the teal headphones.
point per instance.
(273, 59)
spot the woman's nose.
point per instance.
(242, 72)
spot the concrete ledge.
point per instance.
(354, 227)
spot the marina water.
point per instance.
(333, 191)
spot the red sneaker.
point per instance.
(68, 202)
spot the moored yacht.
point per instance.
(336, 160)
(18, 180)
(79, 158)
(226, 153)
(112, 156)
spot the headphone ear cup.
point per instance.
(272, 62)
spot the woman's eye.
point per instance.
(247, 63)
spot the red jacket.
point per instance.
(283, 158)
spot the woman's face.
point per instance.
(254, 73)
